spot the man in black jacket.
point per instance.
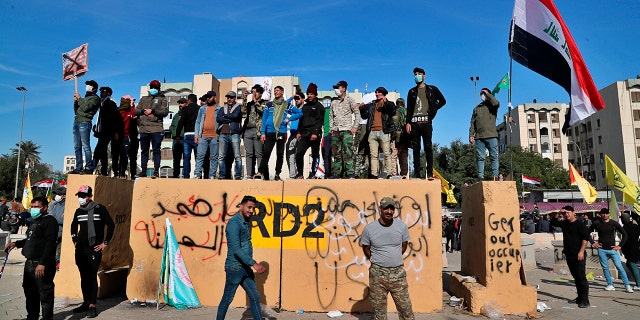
(108, 129)
(40, 267)
(309, 131)
(87, 233)
(187, 122)
(423, 102)
(379, 115)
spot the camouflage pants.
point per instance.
(343, 154)
(383, 281)
(362, 154)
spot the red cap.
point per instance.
(154, 84)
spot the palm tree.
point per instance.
(28, 150)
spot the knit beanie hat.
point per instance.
(312, 88)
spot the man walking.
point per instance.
(310, 131)
(151, 110)
(607, 248)
(343, 119)
(379, 115)
(240, 260)
(228, 118)
(383, 243)
(84, 108)
(90, 240)
(423, 102)
(252, 112)
(575, 239)
(483, 132)
(40, 267)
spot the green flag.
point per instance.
(503, 83)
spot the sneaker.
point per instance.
(430, 178)
(610, 288)
(628, 289)
(636, 288)
(82, 308)
(351, 176)
(87, 171)
(247, 178)
(584, 304)
(257, 176)
(277, 178)
(155, 175)
(76, 171)
(92, 312)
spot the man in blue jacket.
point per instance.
(228, 118)
(275, 115)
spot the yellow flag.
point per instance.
(444, 188)
(588, 191)
(620, 181)
(27, 195)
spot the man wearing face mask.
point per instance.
(298, 99)
(423, 102)
(90, 240)
(56, 210)
(483, 132)
(40, 267)
(108, 129)
(252, 111)
(151, 110)
(343, 119)
(84, 108)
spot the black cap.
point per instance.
(418, 70)
(568, 208)
(340, 83)
(107, 89)
(211, 93)
(92, 83)
(182, 100)
(382, 90)
(60, 191)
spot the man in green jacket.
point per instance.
(84, 109)
(483, 132)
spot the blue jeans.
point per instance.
(203, 145)
(239, 276)
(188, 146)
(234, 139)
(633, 266)
(604, 256)
(156, 140)
(82, 142)
(481, 148)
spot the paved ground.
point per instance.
(554, 290)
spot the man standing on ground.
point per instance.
(56, 210)
(379, 115)
(177, 147)
(187, 123)
(631, 248)
(607, 248)
(240, 260)
(151, 110)
(228, 118)
(251, 131)
(40, 267)
(575, 239)
(90, 241)
(343, 121)
(423, 102)
(483, 132)
(84, 108)
(309, 131)
(384, 241)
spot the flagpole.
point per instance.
(509, 105)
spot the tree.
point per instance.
(28, 150)
(39, 171)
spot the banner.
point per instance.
(619, 180)
(502, 84)
(614, 209)
(540, 41)
(75, 62)
(176, 284)
(530, 180)
(265, 82)
(446, 188)
(27, 195)
(588, 191)
(43, 184)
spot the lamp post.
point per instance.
(475, 80)
(579, 155)
(24, 100)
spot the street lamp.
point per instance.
(475, 80)
(580, 155)
(24, 100)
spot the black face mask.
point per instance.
(212, 103)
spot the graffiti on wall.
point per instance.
(503, 254)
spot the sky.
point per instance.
(367, 43)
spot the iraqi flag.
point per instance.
(530, 180)
(43, 184)
(540, 41)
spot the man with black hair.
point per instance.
(90, 240)
(298, 102)
(109, 130)
(228, 118)
(607, 248)
(40, 267)
(187, 124)
(423, 102)
(310, 131)
(84, 109)
(240, 260)
(483, 132)
(379, 114)
(177, 146)
(151, 110)
(206, 137)
(343, 125)
(252, 111)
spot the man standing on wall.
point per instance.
(423, 102)
(187, 123)
(151, 110)
(239, 260)
(310, 131)
(252, 112)
(607, 248)
(343, 125)
(90, 241)
(383, 242)
(84, 108)
(575, 239)
(228, 118)
(379, 115)
(483, 132)
(177, 147)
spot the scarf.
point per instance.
(280, 106)
(91, 228)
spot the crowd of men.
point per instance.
(351, 135)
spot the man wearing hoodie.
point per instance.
(84, 108)
(310, 131)
(90, 240)
(273, 131)
(151, 110)
(229, 117)
(298, 99)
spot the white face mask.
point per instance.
(57, 198)
(82, 201)
(483, 97)
(89, 88)
(338, 92)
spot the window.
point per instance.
(589, 126)
(532, 133)
(532, 147)
(635, 96)
(531, 118)
(599, 139)
(544, 132)
(636, 115)
(556, 148)
(326, 103)
(591, 159)
(570, 147)
(544, 147)
(598, 123)
(569, 132)
(638, 151)
(542, 116)
(556, 133)
(554, 118)
(590, 143)
(601, 156)
(637, 133)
